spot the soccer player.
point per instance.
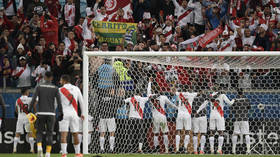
(199, 121)
(240, 109)
(184, 120)
(106, 110)
(136, 111)
(22, 105)
(159, 119)
(217, 120)
(70, 97)
(46, 93)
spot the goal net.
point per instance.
(129, 88)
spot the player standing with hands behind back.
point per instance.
(47, 93)
(70, 96)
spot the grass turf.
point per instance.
(130, 155)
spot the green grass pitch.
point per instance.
(132, 155)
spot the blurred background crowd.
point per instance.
(49, 35)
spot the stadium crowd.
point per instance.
(44, 36)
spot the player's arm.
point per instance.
(167, 101)
(33, 101)
(59, 105)
(2, 103)
(226, 100)
(202, 106)
(81, 102)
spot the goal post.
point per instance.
(191, 60)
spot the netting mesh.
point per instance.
(112, 80)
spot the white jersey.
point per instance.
(248, 40)
(137, 105)
(182, 110)
(197, 12)
(22, 105)
(98, 15)
(222, 100)
(39, 73)
(67, 106)
(180, 11)
(159, 105)
(167, 31)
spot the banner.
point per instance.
(210, 36)
(115, 32)
(113, 5)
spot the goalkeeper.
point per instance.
(240, 109)
(46, 93)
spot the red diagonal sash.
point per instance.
(21, 106)
(159, 108)
(20, 72)
(70, 97)
(186, 103)
(168, 33)
(186, 13)
(137, 107)
(226, 46)
(9, 4)
(219, 108)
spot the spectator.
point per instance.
(100, 14)
(262, 40)
(215, 14)
(36, 7)
(49, 28)
(104, 46)
(22, 73)
(53, 6)
(69, 11)
(6, 71)
(139, 7)
(40, 71)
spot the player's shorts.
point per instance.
(217, 123)
(199, 124)
(160, 124)
(183, 122)
(241, 127)
(69, 121)
(22, 123)
(107, 124)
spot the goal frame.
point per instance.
(87, 54)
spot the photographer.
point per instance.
(34, 7)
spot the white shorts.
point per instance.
(22, 123)
(199, 124)
(241, 127)
(217, 123)
(90, 126)
(107, 124)
(71, 121)
(183, 122)
(160, 124)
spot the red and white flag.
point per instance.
(112, 7)
(210, 36)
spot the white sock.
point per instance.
(77, 149)
(140, 146)
(177, 142)
(202, 142)
(186, 141)
(247, 139)
(221, 142)
(31, 142)
(102, 141)
(234, 142)
(80, 138)
(48, 155)
(112, 142)
(64, 148)
(16, 140)
(211, 141)
(155, 141)
(89, 138)
(195, 143)
(165, 141)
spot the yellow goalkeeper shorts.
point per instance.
(32, 119)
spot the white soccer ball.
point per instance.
(261, 106)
